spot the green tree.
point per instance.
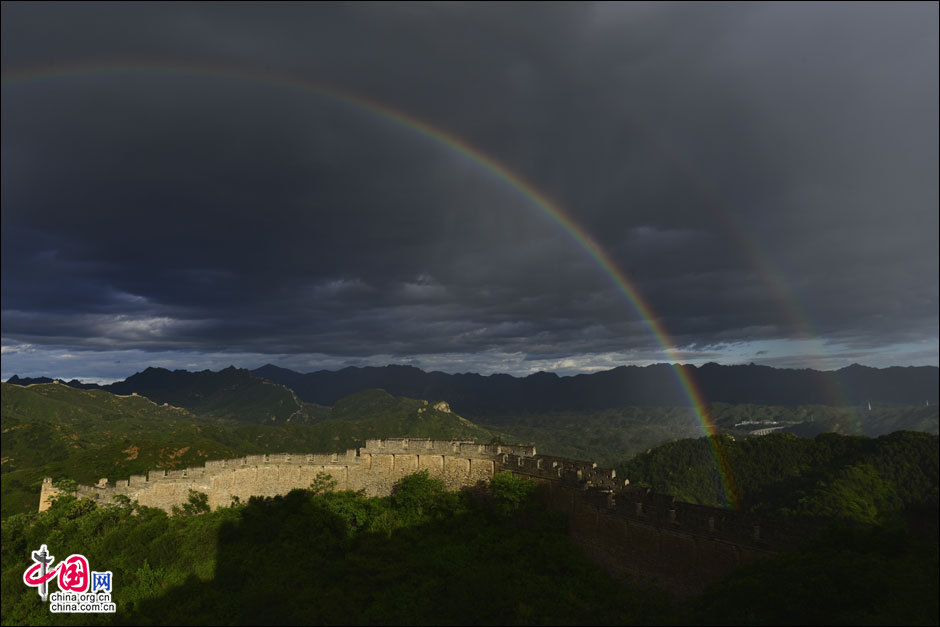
(511, 493)
(198, 503)
(323, 483)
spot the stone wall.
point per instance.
(625, 529)
(653, 537)
(46, 494)
(375, 468)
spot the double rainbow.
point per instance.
(441, 137)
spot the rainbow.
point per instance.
(747, 244)
(546, 205)
(758, 258)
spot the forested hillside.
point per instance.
(420, 556)
(830, 476)
(53, 430)
(483, 556)
(488, 556)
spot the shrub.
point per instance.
(198, 504)
(419, 495)
(511, 493)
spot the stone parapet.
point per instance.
(681, 545)
(374, 468)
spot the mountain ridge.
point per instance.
(476, 394)
(656, 384)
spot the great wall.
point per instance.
(626, 529)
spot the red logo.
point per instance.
(73, 573)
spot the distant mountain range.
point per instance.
(478, 395)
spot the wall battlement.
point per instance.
(589, 486)
(625, 528)
(374, 468)
(654, 537)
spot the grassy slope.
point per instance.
(229, 393)
(58, 431)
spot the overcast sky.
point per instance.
(179, 188)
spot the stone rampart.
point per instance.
(626, 529)
(653, 537)
(374, 468)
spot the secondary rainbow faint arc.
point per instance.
(540, 200)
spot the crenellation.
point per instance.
(625, 528)
(683, 546)
(471, 449)
(617, 524)
(515, 449)
(415, 445)
(87, 492)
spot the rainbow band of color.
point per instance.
(491, 165)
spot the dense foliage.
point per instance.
(850, 576)
(484, 556)
(608, 436)
(603, 436)
(427, 556)
(420, 556)
(831, 476)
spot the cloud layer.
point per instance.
(761, 174)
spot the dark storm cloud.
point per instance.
(716, 153)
